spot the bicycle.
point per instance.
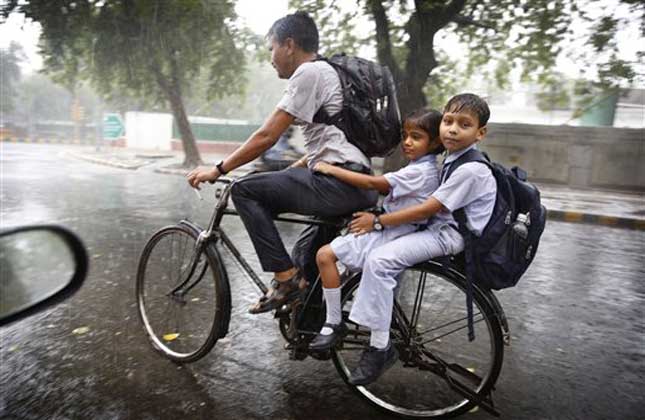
(439, 372)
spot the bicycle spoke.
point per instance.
(179, 308)
(475, 321)
(414, 319)
(442, 371)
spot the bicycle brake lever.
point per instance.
(198, 194)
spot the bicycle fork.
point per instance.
(186, 285)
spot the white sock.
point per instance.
(334, 313)
(379, 339)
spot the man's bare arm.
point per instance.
(261, 140)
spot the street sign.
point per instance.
(112, 126)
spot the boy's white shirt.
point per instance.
(472, 186)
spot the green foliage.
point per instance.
(555, 93)
(140, 47)
(10, 59)
(444, 82)
(335, 24)
(498, 36)
(254, 104)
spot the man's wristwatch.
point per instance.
(377, 224)
(220, 167)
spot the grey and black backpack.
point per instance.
(370, 117)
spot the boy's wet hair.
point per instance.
(469, 102)
(298, 26)
(429, 121)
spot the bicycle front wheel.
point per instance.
(437, 365)
(181, 316)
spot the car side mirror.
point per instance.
(40, 265)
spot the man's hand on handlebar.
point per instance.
(202, 174)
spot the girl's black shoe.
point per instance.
(325, 342)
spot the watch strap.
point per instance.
(220, 167)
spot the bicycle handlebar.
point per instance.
(224, 180)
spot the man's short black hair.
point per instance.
(298, 26)
(469, 102)
(429, 121)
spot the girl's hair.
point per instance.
(429, 121)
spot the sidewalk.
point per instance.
(602, 207)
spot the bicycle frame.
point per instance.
(213, 233)
(406, 328)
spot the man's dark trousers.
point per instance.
(258, 198)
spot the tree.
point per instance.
(10, 59)
(497, 36)
(151, 49)
(254, 103)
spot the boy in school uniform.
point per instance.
(471, 186)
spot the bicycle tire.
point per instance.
(207, 304)
(411, 392)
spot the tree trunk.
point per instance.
(172, 89)
(422, 26)
(409, 101)
(192, 157)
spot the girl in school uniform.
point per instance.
(409, 186)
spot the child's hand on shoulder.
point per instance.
(323, 168)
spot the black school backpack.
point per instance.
(498, 258)
(370, 115)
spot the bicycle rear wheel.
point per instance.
(421, 384)
(182, 319)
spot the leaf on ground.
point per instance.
(81, 330)
(170, 337)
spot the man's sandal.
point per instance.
(280, 293)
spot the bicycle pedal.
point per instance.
(283, 311)
(320, 354)
(297, 353)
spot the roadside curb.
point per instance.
(559, 215)
(596, 219)
(47, 140)
(552, 214)
(135, 164)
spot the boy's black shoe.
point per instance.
(324, 342)
(372, 364)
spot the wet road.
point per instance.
(577, 319)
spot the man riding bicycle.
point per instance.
(258, 198)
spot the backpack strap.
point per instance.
(472, 155)
(322, 116)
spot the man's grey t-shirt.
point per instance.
(312, 86)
